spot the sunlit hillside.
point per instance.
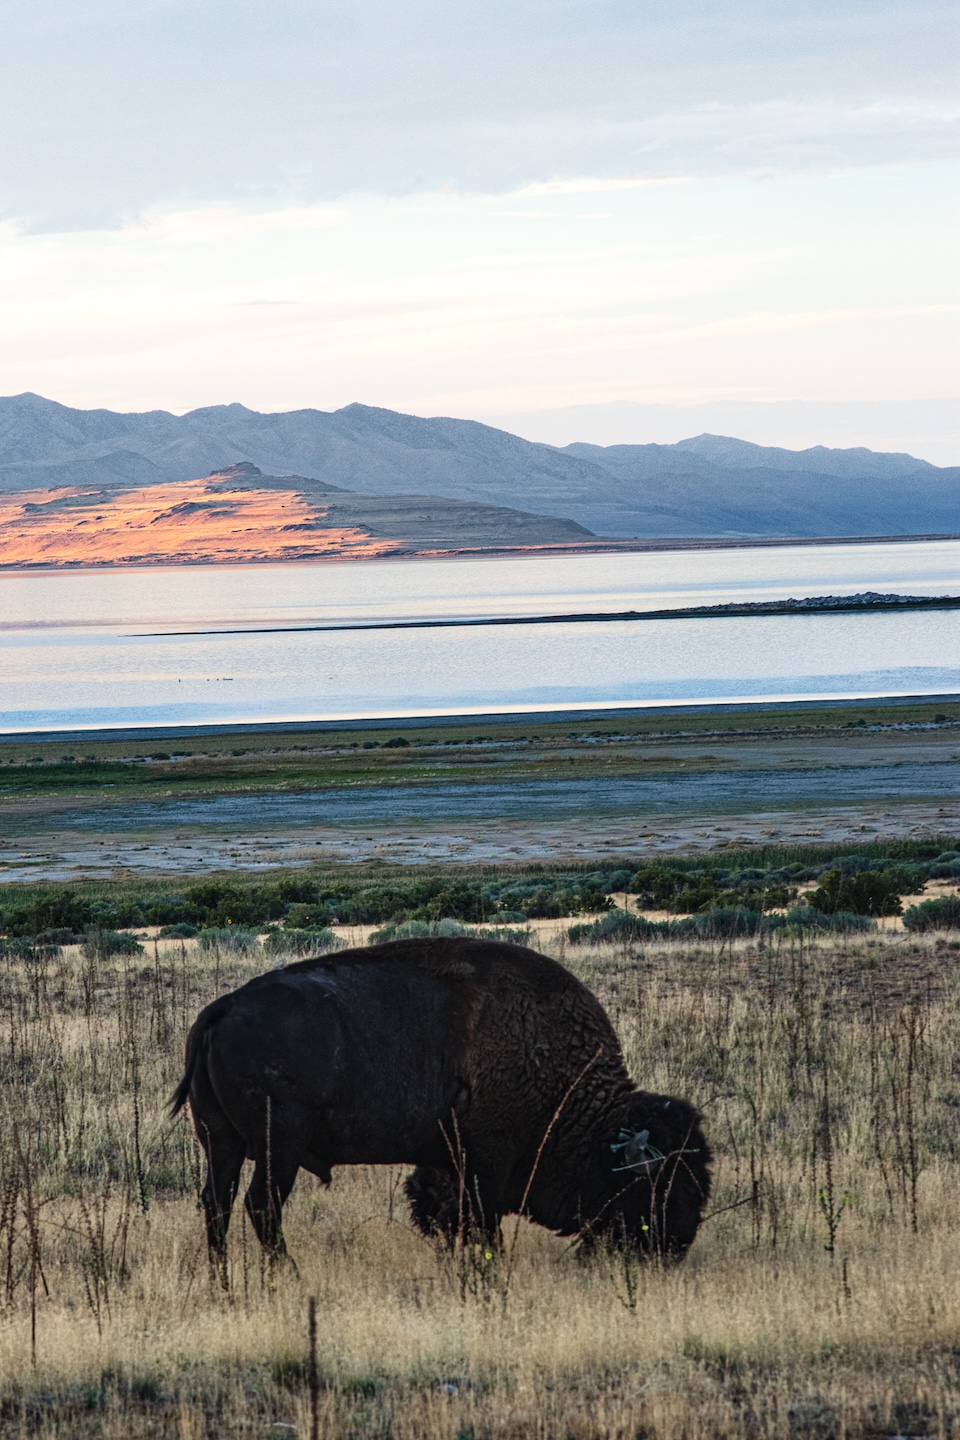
(238, 515)
(196, 520)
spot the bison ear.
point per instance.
(673, 1125)
(636, 1151)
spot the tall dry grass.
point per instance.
(820, 1299)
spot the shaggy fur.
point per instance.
(486, 1066)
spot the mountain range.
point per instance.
(706, 487)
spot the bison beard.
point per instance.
(487, 1067)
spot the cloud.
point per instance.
(823, 285)
(109, 108)
(223, 223)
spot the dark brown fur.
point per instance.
(487, 1067)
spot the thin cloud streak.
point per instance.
(442, 302)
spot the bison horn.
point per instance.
(638, 1153)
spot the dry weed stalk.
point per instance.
(828, 1071)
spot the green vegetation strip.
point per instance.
(457, 753)
(866, 880)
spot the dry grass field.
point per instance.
(821, 1298)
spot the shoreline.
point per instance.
(463, 718)
(602, 545)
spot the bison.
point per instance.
(486, 1066)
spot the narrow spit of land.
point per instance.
(814, 604)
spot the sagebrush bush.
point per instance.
(623, 925)
(417, 930)
(302, 943)
(103, 944)
(235, 939)
(756, 878)
(941, 914)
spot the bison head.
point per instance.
(654, 1177)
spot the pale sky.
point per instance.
(593, 219)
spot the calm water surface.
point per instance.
(73, 653)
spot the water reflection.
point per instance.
(67, 658)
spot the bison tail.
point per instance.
(179, 1097)
(196, 1042)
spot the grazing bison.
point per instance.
(486, 1066)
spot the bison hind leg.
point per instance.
(443, 1209)
(273, 1175)
(224, 1150)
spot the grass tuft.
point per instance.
(819, 1300)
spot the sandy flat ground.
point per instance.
(70, 855)
(670, 796)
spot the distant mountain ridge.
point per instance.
(707, 486)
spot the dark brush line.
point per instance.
(696, 612)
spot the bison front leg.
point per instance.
(434, 1203)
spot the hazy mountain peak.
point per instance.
(707, 485)
(729, 452)
(235, 409)
(229, 472)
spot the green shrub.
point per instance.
(507, 935)
(725, 921)
(302, 943)
(236, 938)
(215, 904)
(48, 910)
(615, 925)
(843, 922)
(945, 867)
(683, 891)
(179, 931)
(941, 914)
(547, 897)
(102, 944)
(717, 924)
(306, 917)
(866, 893)
(417, 930)
(22, 948)
(656, 885)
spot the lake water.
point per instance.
(74, 655)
